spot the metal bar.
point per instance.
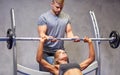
(13, 20)
(4, 38)
(65, 39)
(97, 35)
(13, 26)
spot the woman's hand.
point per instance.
(43, 39)
(86, 39)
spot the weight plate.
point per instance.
(114, 43)
(10, 40)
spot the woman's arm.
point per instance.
(91, 57)
(40, 59)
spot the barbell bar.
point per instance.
(114, 39)
(65, 39)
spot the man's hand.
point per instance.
(77, 39)
(50, 38)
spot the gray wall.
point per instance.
(26, 16)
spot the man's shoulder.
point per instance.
(45, 14)
(65, 15)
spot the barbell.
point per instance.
(114, 39)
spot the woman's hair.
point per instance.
(56, 55)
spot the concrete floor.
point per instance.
(26, 16)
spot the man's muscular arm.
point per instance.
(69, 33)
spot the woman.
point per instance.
(61, 65)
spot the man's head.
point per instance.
(60, 57)
(57, 6)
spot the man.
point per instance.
(54, 24)
(61, 65)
